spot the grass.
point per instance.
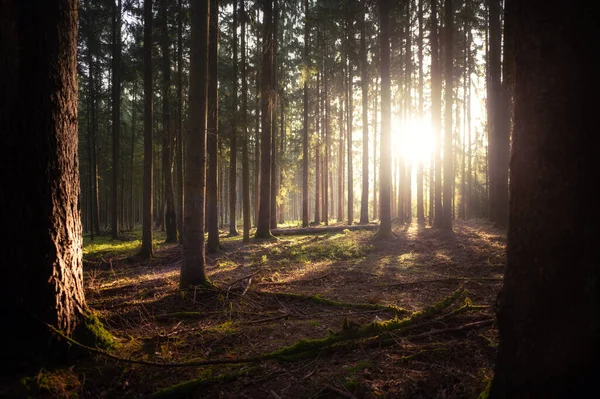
(105, 247)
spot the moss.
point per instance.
(329, 302)
(191, 387)
(91, 332)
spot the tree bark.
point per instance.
(194, 260)
(116, 117)
(421, 114)
(552, 251)
(180, 155)
(449, 93)
(244, 112)
(38, 93)
(305, 121)
(274, 161)
(436, 114)
(385, 168)
(233, 141)
(364, 201)
(212, 209)
(349, 116)
(147, 250)
(263, 227)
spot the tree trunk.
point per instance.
(180, 155)
(436, 114)
(93, 93)
(375, 124)
(385, 166)
(147, 250)
(116, 117)
(212, 209)
(305, 119)
(233, 142)
(274, 163)
(421, 114)
(245, 158)
(364, 201)
(131, 220)
(263, 227)
(340, 168)
(318, 151)
(448, 153)
(167, 139)
(38, 93)
(194, 261)
(349, 117)
(552, 251)
(257, 120)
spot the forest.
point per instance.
(299, 199)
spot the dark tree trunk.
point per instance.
(552, 251)
(233, 142)
(167, 139)
(147, 250)
(436, 114)
(385, 168)
(349, 117)
(448, 153)
(305, 120)
(375, 124)
(257, 120)
(116, 117)
(318, 153)
(274, 163)
(131, 220)
(38, 115)
(244, 112)
(340, 168)
(421, 114)
(212, 210)
(494, 87)
(263, 227)
(194, 261)
(327, 152)
(180, 156)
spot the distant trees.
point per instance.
(552, 252)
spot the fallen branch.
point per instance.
(467, 326)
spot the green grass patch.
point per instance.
(105, 247)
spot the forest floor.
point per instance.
(337, 289)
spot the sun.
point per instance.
(413, 140)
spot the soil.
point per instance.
(446, 356)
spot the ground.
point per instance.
(341, 288)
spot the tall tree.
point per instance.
(494, 88)
(305, 121)
(349, 109)
(194, 256)
(421, 114)
(116, 117)
(244, 112)
(180, 156)
(233, 142)
(552, 251)
(436, 114)
(38, 93)
(167, 139)
(385, 168)
(212, 211)
(263, 226)
(364, 78)
(274, 85)
(147, 250)
(449, 94)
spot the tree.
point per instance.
(180, 156)
(385, 168)
(194, 260)
(263, 225)
(305, 121)
(349, 111)
(38, 93)
(436, 114)
(364, 201)
(147, 250)
(245, 158)
(116, 116)
(552, 252)
(212, 211)
(421, 114)
(167, 144)
(233, 142)
(449, 93)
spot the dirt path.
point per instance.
(340, 279)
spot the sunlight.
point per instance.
(413, 139)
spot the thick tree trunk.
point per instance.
(436, 114)
(116, 117)
(349, 117)
(449, 93)
(327, 152)
(340, 168)
(167, 139)
(552, 256)
(385, 184)
(146, 250)
(212, 209)
(38, 115)
(194, 261)
(494, 87)
(263, 227)
(274, 161)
